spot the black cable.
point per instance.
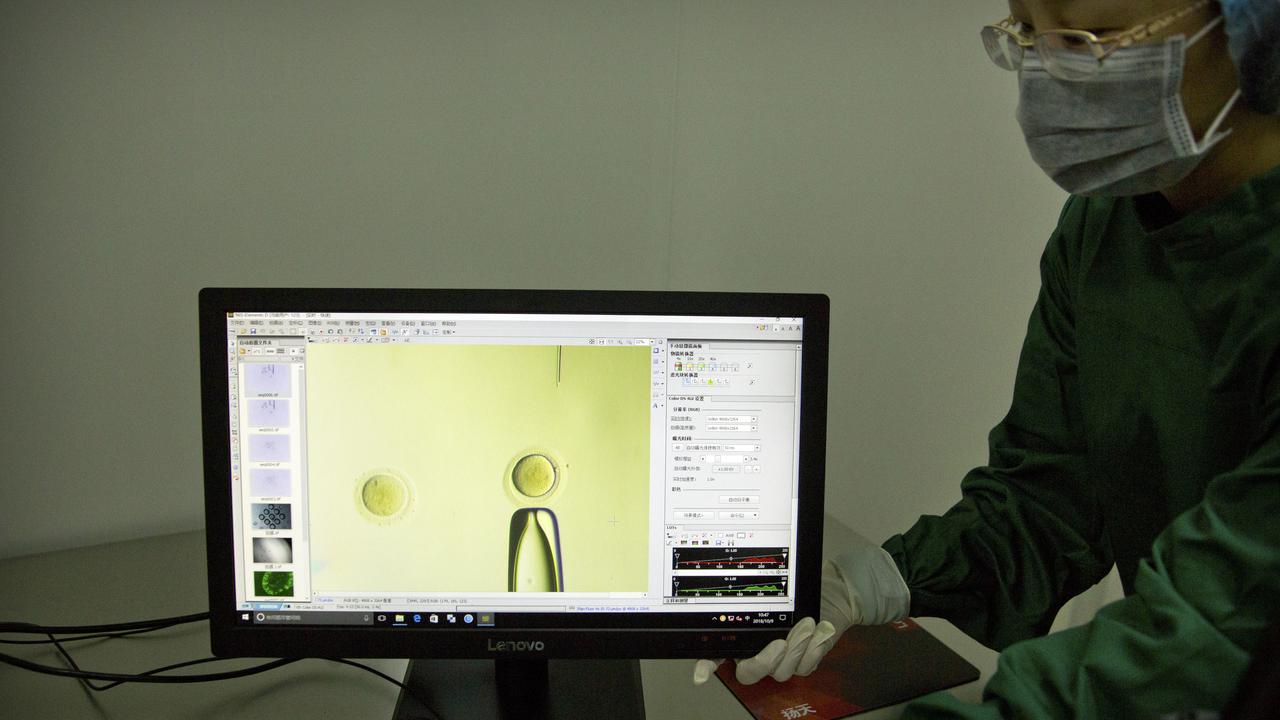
(155, 624)
(142, 626)
(94, 636)
(148, 676)
(138, 627)
(153, 676)
(71, 661)
(117, 630)
(66, 654)
(102, 688)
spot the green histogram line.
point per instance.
(745, 588)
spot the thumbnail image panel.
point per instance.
(426, 460)
(269, 482)
(268, 412)
(270, 379)
(269, 447)
(272, 550)
(273, 583)
(271, 516)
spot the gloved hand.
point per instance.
(861, 587)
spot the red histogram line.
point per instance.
(758, 559)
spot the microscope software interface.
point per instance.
(449, 469)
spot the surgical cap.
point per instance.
(1253, 36)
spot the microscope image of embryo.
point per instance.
(534, 475)
(421, 457)
(384, 495)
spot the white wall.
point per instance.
(865, 149)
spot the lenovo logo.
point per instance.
(516, 645)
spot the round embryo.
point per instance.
(383, 495)
(534, 475)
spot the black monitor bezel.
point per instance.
(235, 639)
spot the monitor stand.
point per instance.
(526, 689)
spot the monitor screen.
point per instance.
(468, 473)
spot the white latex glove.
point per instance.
(861, 587)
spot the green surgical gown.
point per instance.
(1144, 432)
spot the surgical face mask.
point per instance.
(1122, 131)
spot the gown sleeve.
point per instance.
(1027, 533)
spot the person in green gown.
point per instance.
(1144, 431)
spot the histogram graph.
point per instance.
(729, 586)
(733, 558)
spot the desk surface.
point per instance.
(163, 576)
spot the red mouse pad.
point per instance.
(870, 667)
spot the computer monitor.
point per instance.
(511, 475)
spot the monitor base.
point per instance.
(525, 689)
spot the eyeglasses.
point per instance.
(1071, 54)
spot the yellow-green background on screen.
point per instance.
(450, 420)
